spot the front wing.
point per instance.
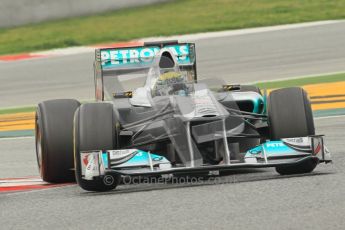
(134, 162)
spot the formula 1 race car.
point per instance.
(153, 117)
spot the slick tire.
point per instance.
(54, 139)
(95, 129)
(290, 115)
(304, 167)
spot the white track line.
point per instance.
(15, 138)
(227, 33)
(298, 77)
(327, 117)
(66, 51)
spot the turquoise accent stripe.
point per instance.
(17, 133)
(257, 104)
(329, 112)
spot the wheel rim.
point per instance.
(39, 147)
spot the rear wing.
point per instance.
(140, 57)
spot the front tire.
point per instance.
(94, 129)
(304, 167)
(290, 115)
(54, 139)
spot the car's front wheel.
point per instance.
(290, 115)
(94, 129)
(54, 142)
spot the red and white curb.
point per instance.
(26, 184)
(66, 51)
(17, 57)
(185, 38)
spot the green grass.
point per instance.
(177, 17)
(18, 110)
(302, 81)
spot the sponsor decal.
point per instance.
(85, 159)
(275, 145)
(92, 167)
(84, 162)
(272, 148)
(295, 140)
(135, 157)
(118, 157)
(120, 154)
(91, 164)
(141, 55)
(298, 141)
(317, 145)
(318, 148)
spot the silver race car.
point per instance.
(153, 116)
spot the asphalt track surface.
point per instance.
(247, 199)
(237, 59)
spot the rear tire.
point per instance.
(94, 129)
(54, 139)
(290, 115)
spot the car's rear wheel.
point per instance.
(290, 115)
(94, 129)
(54, 139)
